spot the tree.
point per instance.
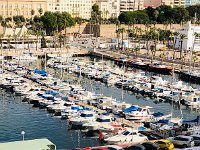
(32, 14)
(181, 37)
(56, 22)
(19, 20)
(121, 31)
(40, 11)
(162, 56)
(79, 22)
(175, 35)
(118, 36)
(136, 49)
(194, 59)
(194, 9)
(153, 52)
(181, 15)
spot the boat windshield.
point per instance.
(86, 115)
(125, 133)
(102, 120)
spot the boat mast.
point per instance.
(123, 81)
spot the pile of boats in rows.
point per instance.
(92, 112)
(152, 86)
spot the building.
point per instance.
(83, 8)
(109, 8)
(190, 42)
(191, 2)
(77, 8)
(152, 3)
(37, 144)
(131, 5)
(9, 8)
(179, 3)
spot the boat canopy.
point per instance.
(132, 108)
(190, 121)
(53, 93)
(40, 72)
(158, 114)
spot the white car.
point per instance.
(184, 141)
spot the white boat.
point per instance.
(127, 136)
(139, 113)
(84, 117)
(26, 56)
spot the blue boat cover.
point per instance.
(41, 72)
(158, 114)
(163, 121)
(53, 93)
(132, 108)
(141, 128)
(195, 120)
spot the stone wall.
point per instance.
(108, 30)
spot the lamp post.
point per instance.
(23, 133)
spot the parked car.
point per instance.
(150, 146)
(135, 147)
(164, 144)
(196, 139)
(181, 140)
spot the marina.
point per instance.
(91, 84)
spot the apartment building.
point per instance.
(191, 2)
(9, 8)
(77, 8)
(131, 5)
(179, 3)
(109, 8)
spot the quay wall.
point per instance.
(108, 30)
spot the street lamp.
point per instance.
(23, 133)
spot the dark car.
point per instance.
(135, 147)
(150, 146)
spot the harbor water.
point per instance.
(17, 116)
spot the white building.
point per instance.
(131, 5)
(109, 8)
(190, 42)
(83, 8)
(77, 8)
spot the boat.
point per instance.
(26, 56)
(84, 117)
(160, 68)
(127, 136)
(138, 113)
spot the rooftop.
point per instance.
(36, 144)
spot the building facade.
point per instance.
(131, 5)
(9, 8)
(77, 8)
(152, 3)
(190, 42)
(191, 2)
(109, 8)
(179, 3)
(83, 8)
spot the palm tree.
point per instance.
(15, 39)
(32, 14)
(194, 59)
(118, 36)
(122, 30)
(40, 10)
(174, 34)
(162, 56)
(136, 49)
(181, 38)
(153, 52)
